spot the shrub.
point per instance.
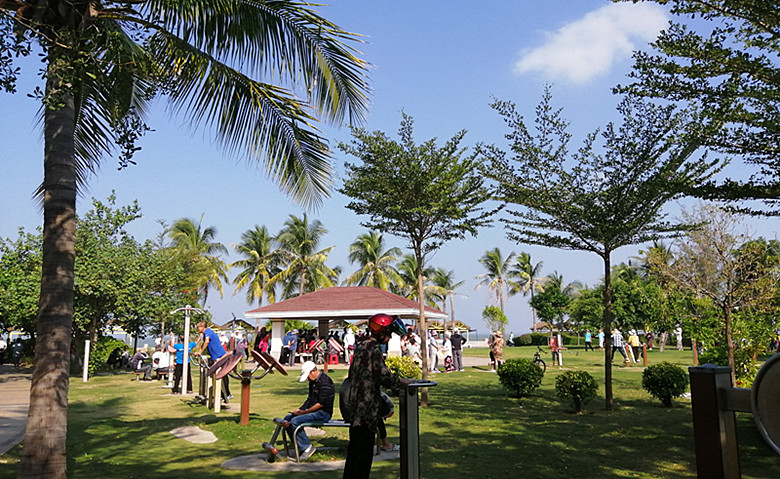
(745, 367)
(100, 352)
(404, 367)
(523, 340)
(520, 376)
(665, 381)
(577, 386)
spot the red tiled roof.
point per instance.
(352, 302)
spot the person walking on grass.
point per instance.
(618, 344)
(679, 333)
(497, 350)
(588, 340)
(633, 341)
(367, 373)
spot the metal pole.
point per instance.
(410, 429)
(85, 371)
(171, 358)
(186, 352)
(185, 363)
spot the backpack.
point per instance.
(386, 405)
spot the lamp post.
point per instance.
(188, 310)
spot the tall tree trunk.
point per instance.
(730, 342)
(452, 313)
(423, 327)
(607, 332)
(44, 454)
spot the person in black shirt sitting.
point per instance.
(317, 408)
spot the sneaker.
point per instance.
(308, 452)
(461, 370)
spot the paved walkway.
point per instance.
(14, 401)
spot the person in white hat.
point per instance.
(318, 407)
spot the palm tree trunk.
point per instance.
(452, 313)
(44, 453)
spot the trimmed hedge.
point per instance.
(579, 387)
(98, 357)
(404, 367)
(520, 376)
(542, 339)
(665, 381)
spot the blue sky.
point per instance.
(442, 62)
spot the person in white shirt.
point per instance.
(349, 344)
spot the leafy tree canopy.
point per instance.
(722, 58)
(424, 193)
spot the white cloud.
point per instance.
(585, 48)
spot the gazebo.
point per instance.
(349, 303)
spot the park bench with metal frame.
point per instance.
(290, 438)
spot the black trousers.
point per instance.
(360, 453)
(177, 377)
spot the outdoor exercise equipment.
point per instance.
(713, 403)
(557, 348)
(265, 361)
(410, 428)
(225, 364)
(228, 366)
(188, 310)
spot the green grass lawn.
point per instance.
(120, 429)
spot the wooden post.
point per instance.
(714, 427)
(246, 389)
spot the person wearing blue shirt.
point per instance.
(216, 351)
(290, 342)
(588, 340)
(177, 371)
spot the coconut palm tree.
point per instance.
(407, 270)
(528, 280)
(195, 244)
(258, 265)
(555, 280)
(497, 276)
(445, 282)
(104, 63)
(302, 265)
(376, 264)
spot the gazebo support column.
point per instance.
(277, 334)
